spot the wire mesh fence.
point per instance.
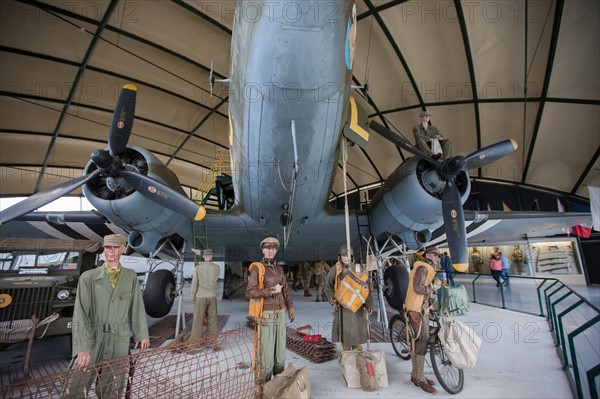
(218, 366)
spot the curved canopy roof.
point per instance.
(62, 64)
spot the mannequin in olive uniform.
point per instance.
(276, 296)
(320, 271)
(204, 296)
(352, 326)
(476, 259)
(109, 309)
(303, 276)
(519, 258)
(421, 285)
(424, 132)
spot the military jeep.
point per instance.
(39, 277)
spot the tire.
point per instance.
(396, 284)
(400, 342)
(159, 294)
(451, 378)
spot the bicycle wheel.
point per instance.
(452, 379)
(400, 342)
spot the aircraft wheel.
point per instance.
(396, 285)
(159, 294)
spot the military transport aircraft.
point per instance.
(292, 111)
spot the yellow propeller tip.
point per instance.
(130, 86)
(460, 267)
(200, 214)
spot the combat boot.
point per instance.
(306, 293)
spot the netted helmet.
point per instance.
(343, 251)
(269, 240)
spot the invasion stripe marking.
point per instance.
(48, 229)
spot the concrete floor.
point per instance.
(518, 358)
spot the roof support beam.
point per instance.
(82, 67)
(549, 65)
(465, 35)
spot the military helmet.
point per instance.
(344, 251)
(269, 240)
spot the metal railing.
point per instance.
(574, 320)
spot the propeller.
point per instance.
(448, 170)
(110, 165)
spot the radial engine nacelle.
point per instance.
(146, 221)
(409, 204)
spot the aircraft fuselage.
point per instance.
(288, 74)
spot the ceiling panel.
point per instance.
(166, 49)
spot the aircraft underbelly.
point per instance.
(280, 89)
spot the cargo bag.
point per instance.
(364, 369)
(292, 383)
(454, 301)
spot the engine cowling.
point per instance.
(146, 222)
(409, 204)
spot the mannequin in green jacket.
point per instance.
(109, 310)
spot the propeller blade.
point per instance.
(454, 224)
(163, 195)
(44, 197)
(122, 121)
(490, 154)
(394, 138)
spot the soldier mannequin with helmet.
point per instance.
(275, 298)
(349, 328)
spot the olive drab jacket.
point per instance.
(106, 318)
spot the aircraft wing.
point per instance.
(232, 235)
(500, 227)
(236, 237)
(72, 225)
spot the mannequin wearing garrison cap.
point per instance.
(425, 132)
(109, 309)
(203, 293)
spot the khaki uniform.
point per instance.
(519, 259)
(422, 137)
(104, 321)
(320, 271)
(204, 285)
(304, 274)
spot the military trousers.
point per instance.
(208, 307)
(272, 344)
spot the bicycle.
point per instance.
(450, 377)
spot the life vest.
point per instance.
(256, 304)
(413, 300)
